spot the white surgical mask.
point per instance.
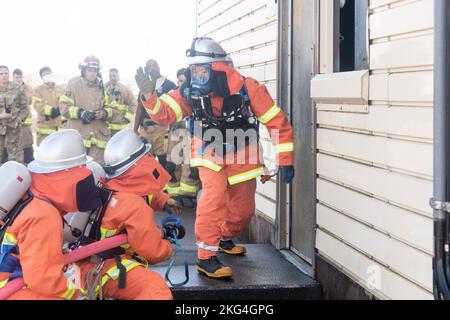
(48, 78)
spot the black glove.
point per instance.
(288, 174)
(172, 230)
(194, 175)
(172, 210)
(145, 85)
(86, 116)
(170, 168)
(55, 113)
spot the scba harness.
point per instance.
(236, 116)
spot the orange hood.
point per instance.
(146, 177)
(59, 188)
(234, 78)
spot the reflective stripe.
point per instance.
(117, 127)
(28, 122)
(246, 176)
(8, 240)
(173, 191)
(4, 283)
(87, 143)
(110, 112)
(269, 115)
(36, 99)
(129, 116)
(45, 131)
(101, 144)
(188, 188)
(118, 106)
(199, 162)
(155, 109)
(285, 147)
(203, 246)
(107, 233)
(65, 99)
(173, 105)
(48, 110)
(113, 273)
(73, 112)
(150, 199)
(68, 295)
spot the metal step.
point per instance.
(262, 274)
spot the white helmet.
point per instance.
(60, 151)
(16, 180)
(205, 50)
(97, 171)
(122, 152)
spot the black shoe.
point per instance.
(213, 268)
(228, 247)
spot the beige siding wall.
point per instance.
(247, 29)
(375, 168)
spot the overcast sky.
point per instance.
(122, 33)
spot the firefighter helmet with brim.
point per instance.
(123, 151)
(61, 150)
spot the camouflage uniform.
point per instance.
(123, 103)
(26, 132)
(12, 99)
(89, 96)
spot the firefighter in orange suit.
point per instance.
(61, 183)
(222, 102)
(134, 177)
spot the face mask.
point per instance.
(48, 78)
(88, 195)
(201, 80)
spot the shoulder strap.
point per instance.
(13, 214)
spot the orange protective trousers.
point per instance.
(223, 211)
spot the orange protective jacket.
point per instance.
(38, 233)
(173, 107)
(129, 211)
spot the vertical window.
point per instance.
(350, 49)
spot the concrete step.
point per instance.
(261, 274)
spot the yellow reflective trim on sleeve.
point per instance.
(73, 112)
(48, 110)
(173, 191)
(188, 188)
(101, 144)
(28, 122)
(9, 240)
(117, 127)
(173, 105)
(36, 99)
(4, 283)
(155, 109)
(269, 115)
(87, 143)
(285, 147)
(246, 176)
(199, 162)
(68, 295)
(118, 106)
(109, 111)
(150, 199)
(45, 131)
(65, 99)
(107, 233)
(129, 116)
